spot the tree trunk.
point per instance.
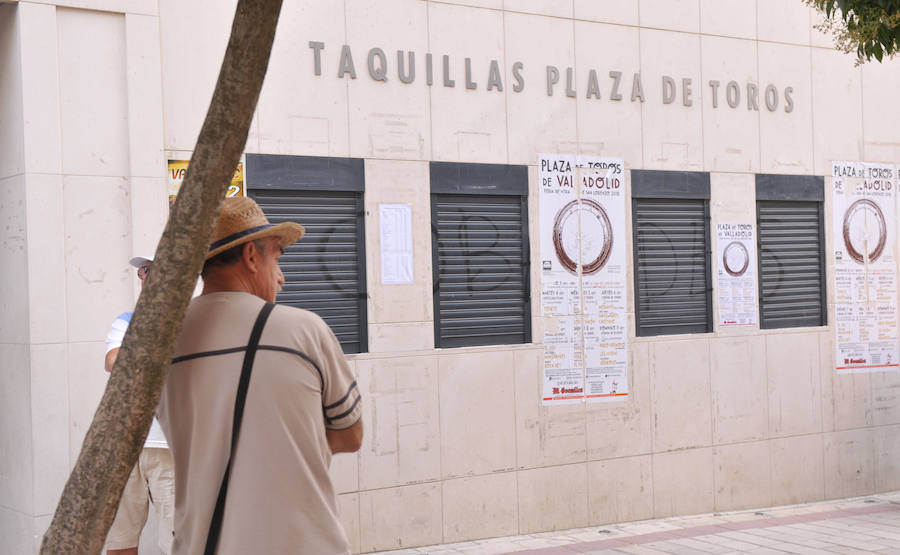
(114, 440)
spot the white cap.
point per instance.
(139, 261)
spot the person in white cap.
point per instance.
(153, 478)
(252, 450)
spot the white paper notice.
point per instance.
(583, 285)
(396, 243)
(865, 266)
(736, 269)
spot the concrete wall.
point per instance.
(82, 151)
(457, 443)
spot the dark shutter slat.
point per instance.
(791, 264)
(671, 249)
(322, 271)
(480, 270)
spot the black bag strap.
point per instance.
(215, 525)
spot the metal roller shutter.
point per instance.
(672, 266)
(325, 271)
(480, 258)
(791, 264)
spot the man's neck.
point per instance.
(226, 282)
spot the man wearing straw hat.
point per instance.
(252, 424)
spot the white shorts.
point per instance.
(152, 480)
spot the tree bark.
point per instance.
(114, 440)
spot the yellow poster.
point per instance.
(178, 169)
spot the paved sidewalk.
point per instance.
(860, 525)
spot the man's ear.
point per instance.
(250, 256)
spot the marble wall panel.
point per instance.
(836, 109)
(388, 119)
(12, 146)
(732, 200)
(149, 213)
(620, 490)
(40, 87)
(727, 61)
(797, 469)
(16, 458)
(553, 498)
(742, 476)
(300, 112)
(783, 22)
(395, 518)
(480, 507)
(880, 82)
(545, 435)
(887, 458)
(538, 122)
(622, 429)
(16, 531)
(675, 15)
(402, 419)
(606, 126)
(144, 96)
(467, 124)
(14, 309)
(554, 8)
(794, 383)
(400, 182)
(680, 394)
(398, 338)
(672, 133)
(49, 391)
(847, 399)
(683, 482)
(193, 36)
(850, 461)
(46, 297)
(478, 410)
(98, 279)
(885, 398)
(144, 7)
(786, 138)
(93, 93)
(490, 4)
(622, 12)
(739, 392)
(730, 18)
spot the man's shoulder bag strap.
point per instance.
(215, 525)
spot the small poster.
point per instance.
(178, 169)
(736, 271)
(395, 222)
(583, 281)
(865, 266)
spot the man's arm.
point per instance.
(348, 440)
(111, 358)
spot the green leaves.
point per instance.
(869, 27)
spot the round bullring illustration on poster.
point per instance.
(735, 258)
(865, 231)
(595, 232)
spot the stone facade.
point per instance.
(95, 96)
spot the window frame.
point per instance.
(670, 185)
(277, 172)
(786, 189)
(470, 179)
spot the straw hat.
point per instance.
(243, 220)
